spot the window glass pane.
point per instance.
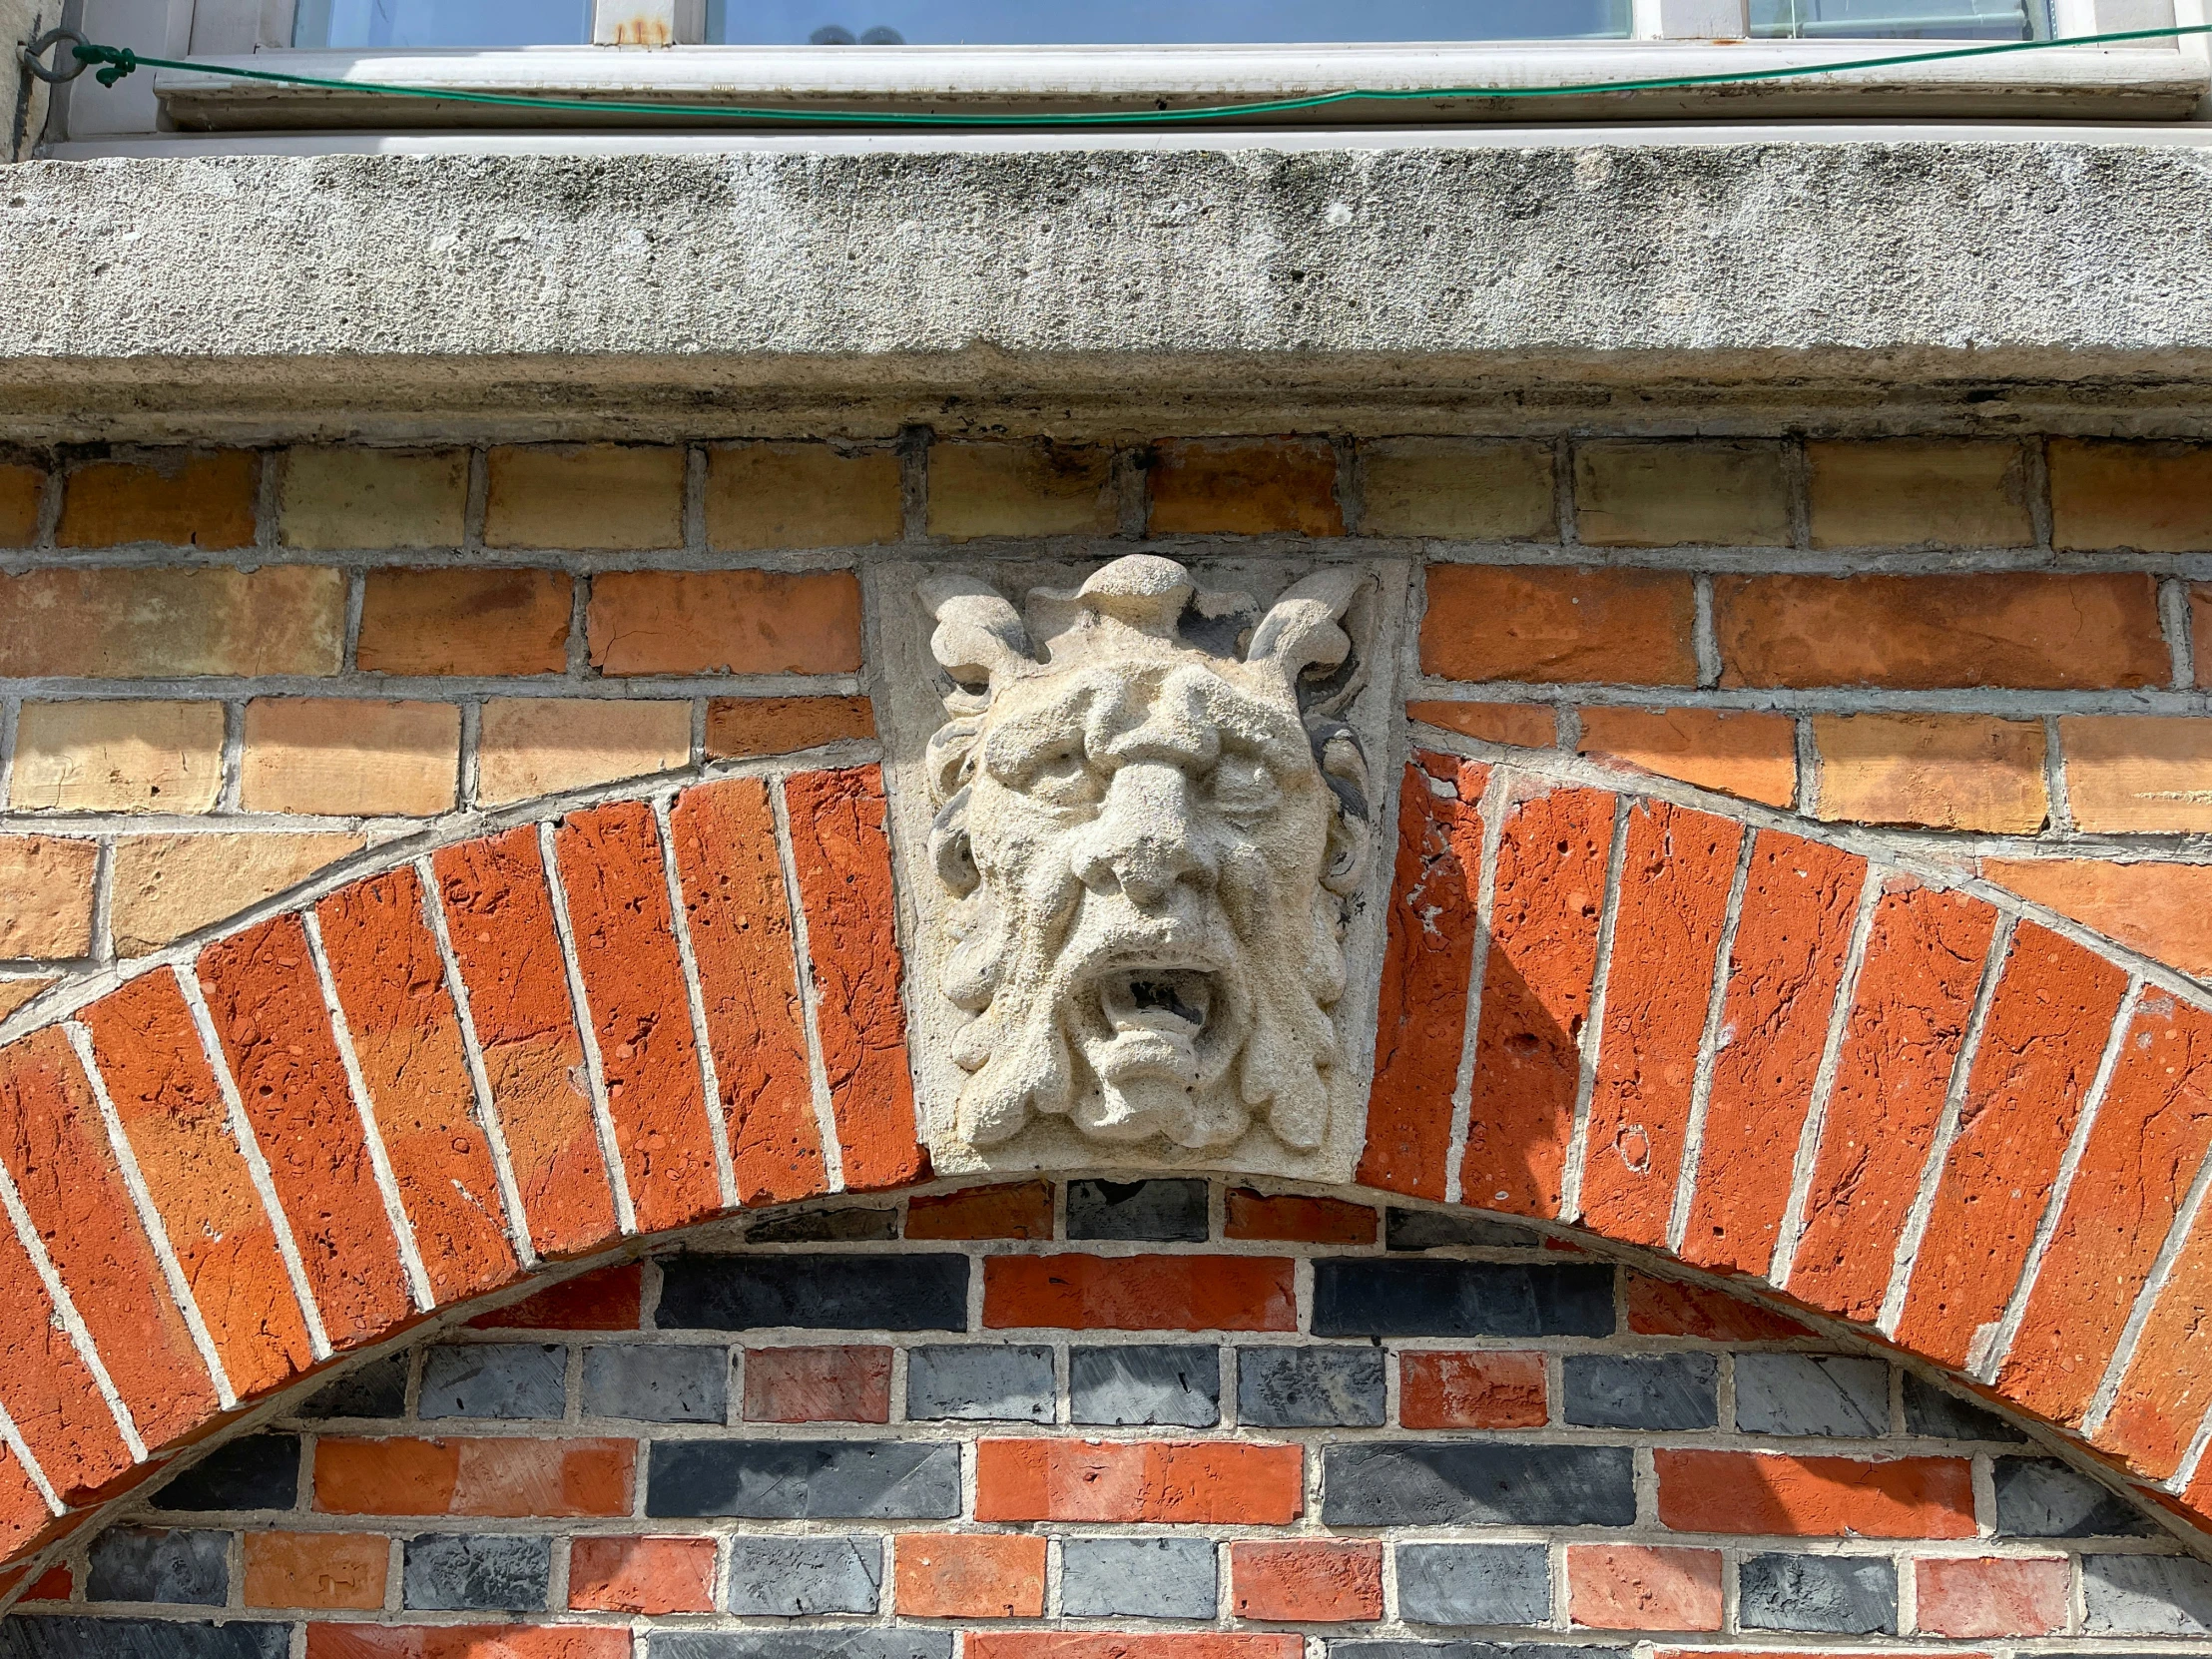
(374, 23)
(1894, 19)
(1155, 22)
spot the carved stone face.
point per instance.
(1148, 842)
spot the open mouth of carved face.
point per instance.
(1171, 1002)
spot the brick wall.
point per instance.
(1165, 1420)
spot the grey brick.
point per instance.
(1473, 1583)
(650, 1383)
(1152, 1212)
(1941, 1415)
(1127, 1387)
(1309, 1388)
(446, 1572)
(799, 1577)
(990, 1384)
(1363, 1297)
(2038, 1497)
(261, 1471)
(804, 1479)
(1441, 1230)
(825, 1227)
(1845, 1595)
(815, 1293)
(1401, 1649)
(142, 1563)
(494, 1379)
(376, 1390)
(1137, 1578)
(1447, 1483)
(799, 1644)
(44, 1636)
(1812, 1393)
(1642, 1391)
(2146, 1595)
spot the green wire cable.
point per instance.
(121, 61)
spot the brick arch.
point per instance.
(1917, 1112)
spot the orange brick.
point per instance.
(1914, 492)
(2164, 911)
(1948, 771)
(725, 622)
(1197, 1483)
(1244, 487)
(168, 885)
(1633, 1587)
(608, 1300)
(180, 497)
(316, 1569)
(1308, 1581)
(21, 490)
(348, 759)
(969, 1575)
(345, 497)
(1523, 725)
(1255, 1215)
(118, 756)
(2156, 497)
(1666, 494)
(1068, 1644)
(1467, 489)
(484, 1477)
(2129, 772)
(619, 497)
(533, 746)
(1736, 752)
(1661, 1307)
(1993, 1595)
(1919, 633)
(1020, 1209)
(1139, 1292)
(478, 622)
(131, 624)
(1551, 626)
(737, 727)
(773, 495)
(642, 1575)
(1471, 1390)
(467, 1641)
(818, 1385)
(48, 914)
(1749, 1493)
(53, 1585)
(1020, 489)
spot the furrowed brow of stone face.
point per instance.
(1016, 741)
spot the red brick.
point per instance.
(2040, 1043)
(67, 1174)
(972, 1576)
(1244, 487)
(178, 496)
(741, 934)
(1993, 1595)
(467, 1641)
(1522, 725)
(1139, 1292)
(1666, 937)
(725, 622)
(316, 1569)
(484, 1477)
(53, 1585)
(1551, 626)
(1453, 1390)
(604, 1300)
(1661, 1307)
(1923, 633)
(2162, 1394)
(642, 1575)
(818, 1385)
(173, 1113)
(26, 1526)
(1287, 1215)
(1199, 1483)
(464, 620)
(267, 1007)
(407, 1039)
(1306, 1580)
(1634, 1587)
(625, 933)
(1420, 1025)
(1747, 1493)
(841, 851)
(2142, 1155)
(1018, 1209)
(741, 725)
(1788, 959)
(500, 916)
(1924, 966)
(1068, 1644)
(1535, 997)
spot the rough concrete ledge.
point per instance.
(348, 290)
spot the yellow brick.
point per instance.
(616, 497)
(769, 495)
(14, 992)
(123, 757)
(350, 759)
(2153, 496)
(162, 623)
(46, 897)
(1467, 489)
(1909, 492)
(20, 491)
(1020, 489)
(181, 497)
(2137, 772)
(168, 885)
(337, 497)
(535, 745)
(1948, 772)
(1667, 494)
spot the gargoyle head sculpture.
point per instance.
(1148, 834)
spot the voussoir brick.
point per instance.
(725, 622)
(1553, 626)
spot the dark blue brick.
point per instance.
(141, 1563)
(1941, 1415)
(825, 1227)
(1137, 1578)
(1441, 1230)
(43, 1636)
(789, 1578)
(1642, 1391)
(804, 1479)
(261, 1471)
(799, 1644)
(376, 1390)
(1447, 1483)
(815, 1293)
(980, 1382)
(1148, 1212)
(1845, 1595)
(1368, 1298)
(1309, 1388)
(2041, 1499)
(2146, 1595)
(1462, 1584)
(446, 1572)
(494, 1379)
(657, 1383)
(1145, 1386)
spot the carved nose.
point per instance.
(1144, 841)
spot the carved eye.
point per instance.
(1064, 780)
(1242, 785)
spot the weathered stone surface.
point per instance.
(1473, 1583)
(449, 1572)
(1124, 1387)
(657, 1384)
(1357, 1297)
(804, 1479)
(1641, 1391)
(1839, 1594)
(795, 1578)
(1000, 1385)
(1439, 1484)
(1812, 1393)
(1137, 1578)
(1309, 1388)
(829, 1293)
